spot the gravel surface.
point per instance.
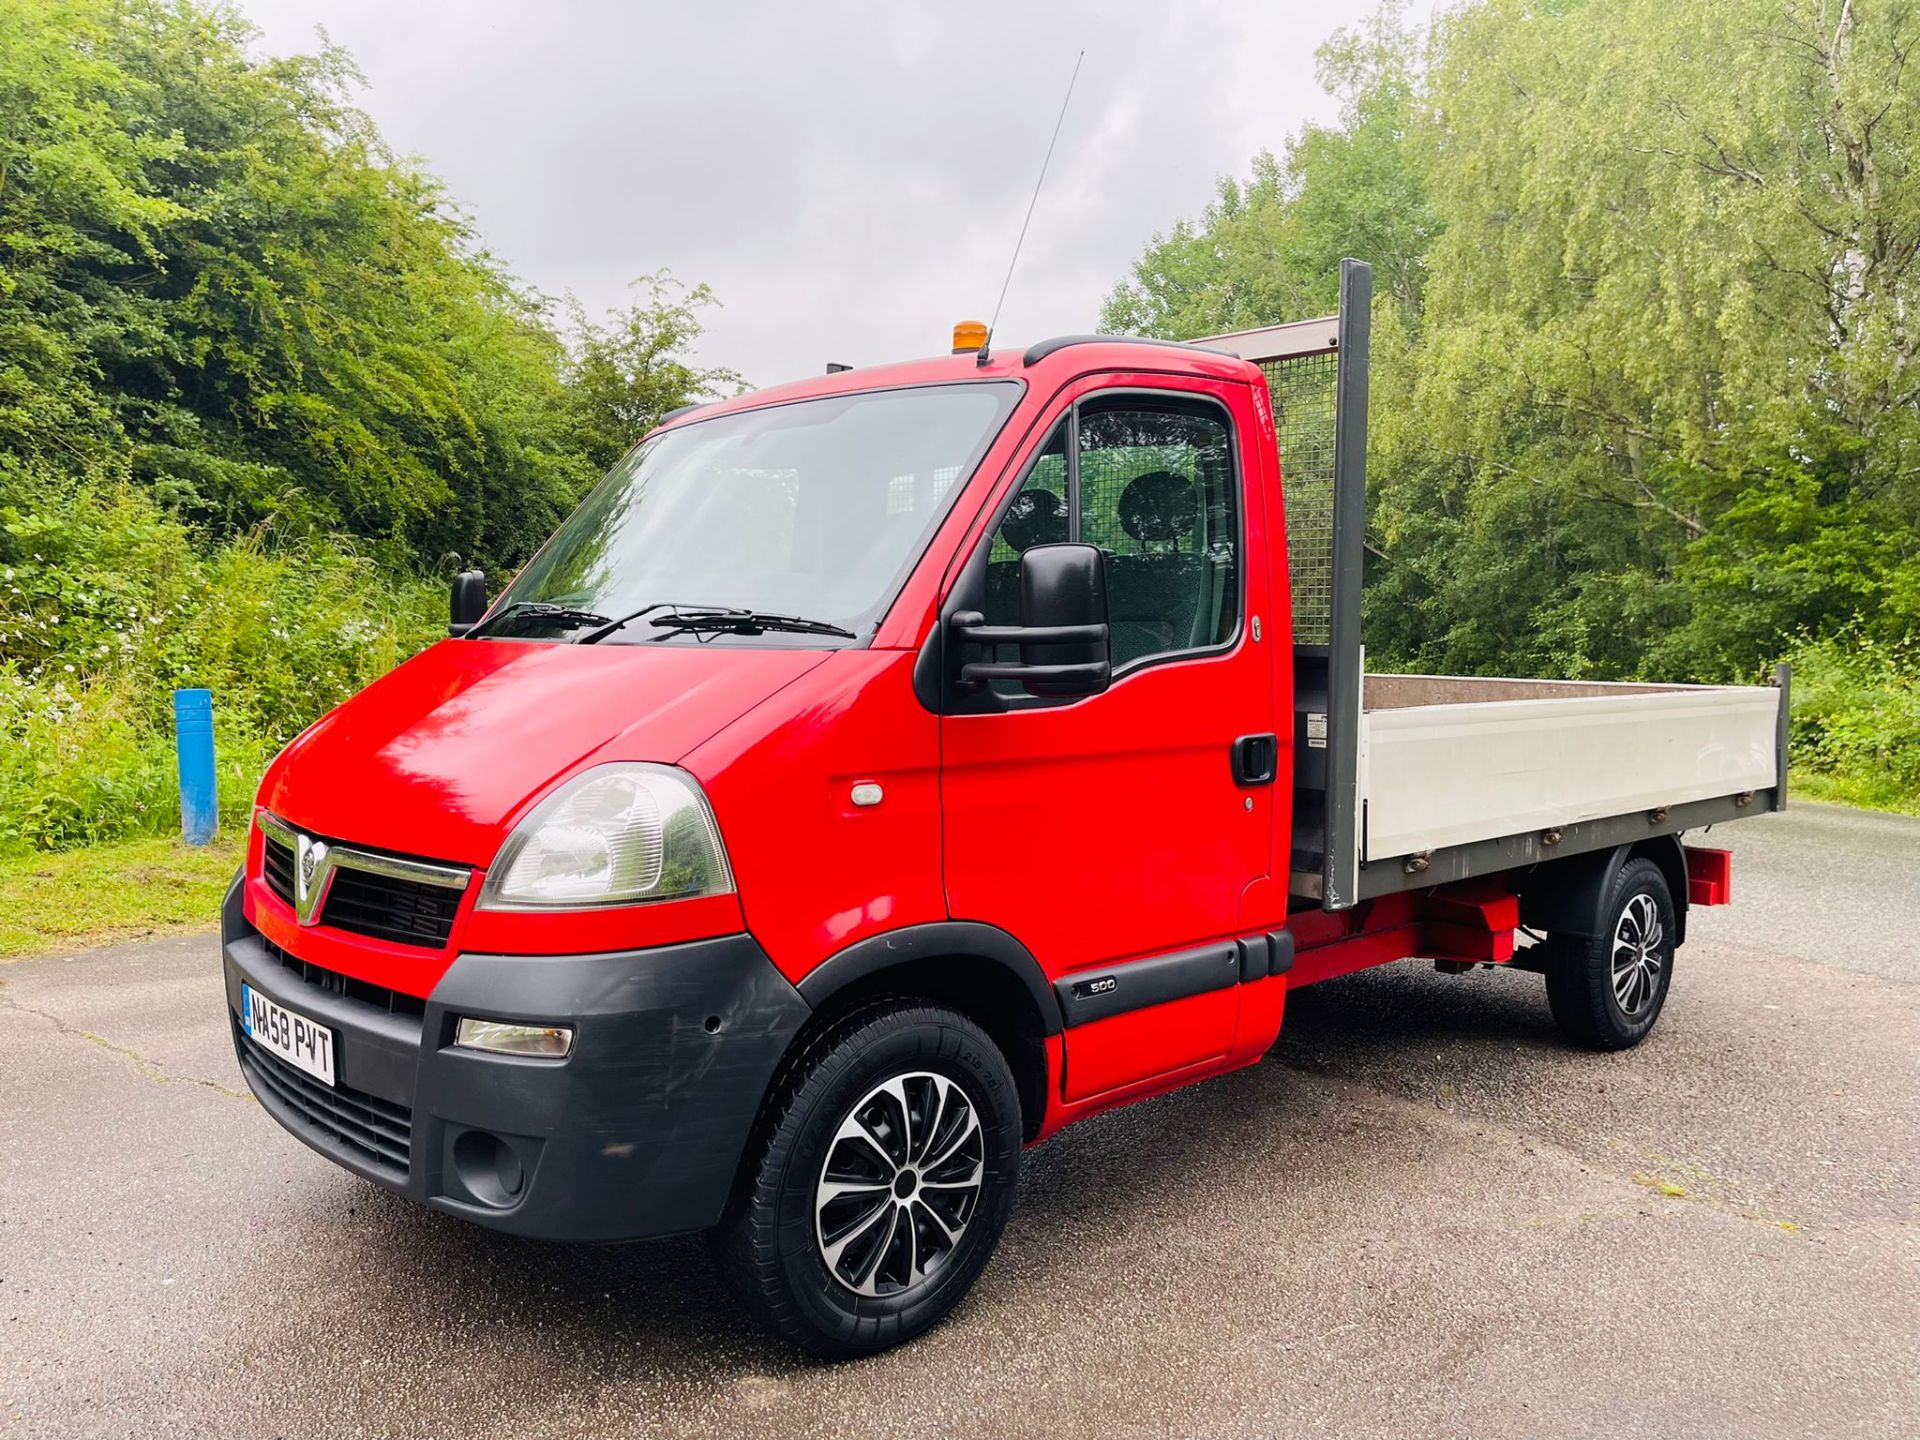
(1422, 1215)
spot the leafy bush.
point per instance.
(111, 606)
(77, 765)
(1856, 717)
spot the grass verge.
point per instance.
(51, 903)
(1861, 792)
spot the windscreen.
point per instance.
(814, 509)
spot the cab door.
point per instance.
(1116, 835)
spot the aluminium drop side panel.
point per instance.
(1445, 775)
(1530, 847)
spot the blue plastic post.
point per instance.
(193, 738)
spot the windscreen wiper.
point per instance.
(717, 619)
(607, 627)
(546, 610)
(745, 622)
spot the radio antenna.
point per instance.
(1066, 100)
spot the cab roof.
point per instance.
(1045, 365)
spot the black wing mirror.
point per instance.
(1063, 631)
(469, 601)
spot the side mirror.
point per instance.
(469, 601)
(1063, 631)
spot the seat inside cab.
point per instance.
(1157, 497)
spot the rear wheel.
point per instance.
(883, 1174)
(1607, 991)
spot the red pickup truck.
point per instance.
(878, 773)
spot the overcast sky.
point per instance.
(849, 177)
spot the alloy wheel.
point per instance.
(900, 1183)
(1637, 954)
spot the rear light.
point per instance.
(499, 1037)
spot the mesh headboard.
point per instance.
(1303, 410)
(1301, 361)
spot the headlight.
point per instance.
(613, 835)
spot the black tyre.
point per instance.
(1606, 992)
(882, 1174)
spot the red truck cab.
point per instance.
(876, 774)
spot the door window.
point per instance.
(1039, 515)
(1152, 482)
(1157, 493)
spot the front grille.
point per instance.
(278, 868)
(385, 907)
(375, 1131)
(394, 1002)
(404, 911)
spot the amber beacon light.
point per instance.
(969, 336)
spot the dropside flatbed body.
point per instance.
(1407, 782)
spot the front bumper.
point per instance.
(637, 1133)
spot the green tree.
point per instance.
(1267, 249)
(1645, 394)
(629, 369)
(219, 283)
(259, 381)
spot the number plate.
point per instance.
(302, 1043)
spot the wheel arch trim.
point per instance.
(956, 939)
(1570, 896)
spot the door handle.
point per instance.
(1255, 758)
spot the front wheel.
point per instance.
(883, 1173)
(1606, 992)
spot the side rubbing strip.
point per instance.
(1281, 942)
(1254, 956)
(1116, 989)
